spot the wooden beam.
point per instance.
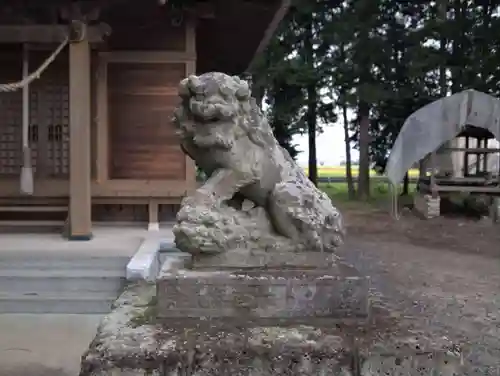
(116, 189)
(80, 139)
(148, 56)
(493, 189)
(465, 180)
(48, 33)
(474, 150)
(278, 16)
(63, 201)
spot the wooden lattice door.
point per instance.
(10, 116)
(49, 120)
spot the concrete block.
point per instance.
(144, 265)
(427, 205)
(252, 295)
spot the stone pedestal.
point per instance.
(261, 288)
(260, 321)
(427, 206)
(256, 296)
(131, 342)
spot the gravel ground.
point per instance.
(442, 275)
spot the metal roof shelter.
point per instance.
(464, 113)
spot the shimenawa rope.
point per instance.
(14, 86)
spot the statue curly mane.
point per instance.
(216, 100)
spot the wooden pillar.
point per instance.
(80, 222)
(485, 155)
(466, 157)
(153, 209)
(478, 156)
(190, 69)
(432, 183)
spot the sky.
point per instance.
(330, 147)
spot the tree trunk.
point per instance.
(348, 162)
(364, 65)
(422, 168)
(406, 185)
(458, 45)
(364, 153)
(311, 133)
(311, 114)
(351, 191)
(442, 48)
(258, 93)
(445, 161)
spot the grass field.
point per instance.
(334, 172)
(379, 192)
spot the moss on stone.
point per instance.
(147, 316)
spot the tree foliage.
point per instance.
(380, 59)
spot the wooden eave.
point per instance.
(229, 33)
(240, 30)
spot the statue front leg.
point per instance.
(220, 186)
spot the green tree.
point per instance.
(293, 75)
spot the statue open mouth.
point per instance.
(209, 111)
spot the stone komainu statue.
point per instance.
(256, 197)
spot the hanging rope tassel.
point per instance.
(26, 169)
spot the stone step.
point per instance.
(61, 280)
(73, 303)
(46, 260)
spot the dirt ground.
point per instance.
(458, 233)
(441, 274)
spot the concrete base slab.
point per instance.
(44, 345)
(131, 343)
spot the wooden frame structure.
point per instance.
(481, 181)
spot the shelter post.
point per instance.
(466, 157)
(433, 185)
